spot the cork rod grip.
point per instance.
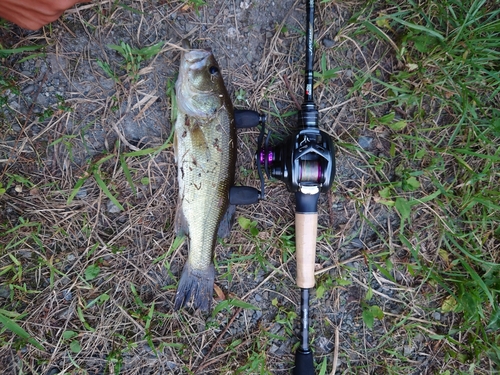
(306, 230)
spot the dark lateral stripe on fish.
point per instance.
(196, 285)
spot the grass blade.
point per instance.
(106, 191)
(19, 331)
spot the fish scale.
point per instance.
(205, 148)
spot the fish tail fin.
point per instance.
(197, 285)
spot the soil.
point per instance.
(69, 113)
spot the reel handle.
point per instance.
(246, 118)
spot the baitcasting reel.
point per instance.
(305, 162)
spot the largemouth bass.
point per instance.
(205, 149)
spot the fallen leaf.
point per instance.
(220, 294)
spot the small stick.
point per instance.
(331, 214)
(336, 350)
(287, 84)
(205, 364)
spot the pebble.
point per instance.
(407, 350)
(258, 297)
(53, 371)
(419, 338)
(171, 365)
(25, 254)
(29, 89)
(82, 193)
(436, 315)
(245, 5)
(275, 328)
(278, 350)
(328, 43)
(356, 243)
(67, 313)
(274, 348)
(232, 33)
(112, 208)
(4, 291)
(365, 142)
(15, 106)
(324, 344)
(257, 315)
(67, 295)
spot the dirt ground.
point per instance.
(87, 115)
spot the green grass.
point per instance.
(83, 282)
(448, 86)
(133, 59)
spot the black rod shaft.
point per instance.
(309, 113)
(308, 94)
(304, 319)
(304, 362)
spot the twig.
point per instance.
(203, 363)
(357, 281)
(331, 214)
(336, 350)
(287, 84)
(337, 105)
(326, 269)
(121, 136)
(416, 320)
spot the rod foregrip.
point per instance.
(306, 230)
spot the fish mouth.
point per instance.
(197, 57)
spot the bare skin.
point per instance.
(33, 14)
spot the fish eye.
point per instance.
(213, 70)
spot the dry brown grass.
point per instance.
(122, 315)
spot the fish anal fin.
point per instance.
(180, 224)
(227, 222)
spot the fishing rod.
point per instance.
(305, 162)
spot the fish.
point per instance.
(205, 154)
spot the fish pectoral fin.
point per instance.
(199, 140)
(227, 222)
